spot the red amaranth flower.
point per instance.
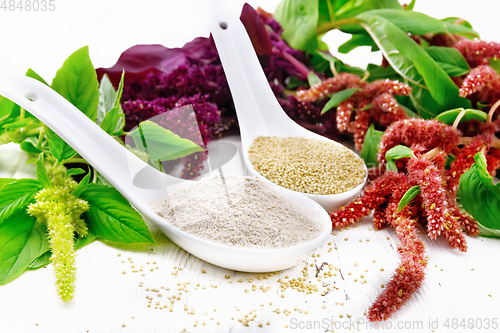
(477, 52)
(329, 86)
(429, 133)
(439, 215)
(386, 102)
(493, 161)
(344, 112)
(374, 195)
(409, 275)
(372, 103)
(380, 87)
(483, 81)
(464, 160)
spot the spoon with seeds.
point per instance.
(140, 183)
(260, 115)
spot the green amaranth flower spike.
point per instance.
(61, 211)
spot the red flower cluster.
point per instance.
(429, 133)
(482, 84)
(372, 103)
(484, 81)
(435, 208)
(477, 52)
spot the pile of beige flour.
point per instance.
(239, 211)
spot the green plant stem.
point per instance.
(325, 27)
(40, 138)
(330, 10)
(22, 114)
(33, 131)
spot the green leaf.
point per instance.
(17, 124)
(41, 172)
(293, 83)
(448, 117)
(107, 98)
(322, 62)
(77, 81)
(358, 39)
(58, 147)
(427, 107)
(111, 121)
(484, 176)
(22, 241)
(16, 196)
(313, 79)
(82, 185)
(479, 196)
(440, 85)
(110, 115)
(396, 153)
(488, 232)
(74, 172)
(458, 26)
(371, 146)
(379, 72)
(326, 9)
(401, 64)
(6, 106)
(111, 217)
(160, 143)
(409, 21)
(449, 59)
(407, 110)
(31, 73)
(495, 64)
(5, 181)
(299, 19)
(8, 111)
(353, 8)
(338, 98)
(411, 5)
(408, 196)
(29, 145)
(41, 261)
(82, 242)
(410, 61)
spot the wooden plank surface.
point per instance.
(110, 297)
(188, 293)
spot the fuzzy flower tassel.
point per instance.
(60, 210)
(409, 275)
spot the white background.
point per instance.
(42, 40)
(462, 286)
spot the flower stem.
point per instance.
(457, 120)
(464, 140)
(492, 111)
(297, 64)
(432, 153)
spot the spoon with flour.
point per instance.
(258, 111)
(142, 184)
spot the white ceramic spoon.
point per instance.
(257, 109)
(140, 183)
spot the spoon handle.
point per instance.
(96, 146)
(252, 95)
